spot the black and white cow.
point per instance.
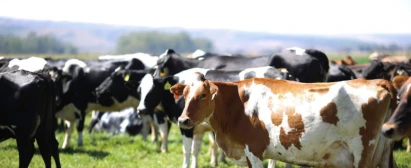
(155, 92)
(27, 109)
(339, 73)
(307, 66)
(79, 92)
(113, 89)
(122, 122)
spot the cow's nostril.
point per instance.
(186, 122)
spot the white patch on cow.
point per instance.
(297, 50)
(254, 160)
(69, 131)
(240, 162)
(198, 53)
(259, 72)
(9, 128)
(186, 150)
(31, 64)
(372, 142)
(68, 112)
(148, 60)
(408, 87)
(147, 83)
(318, 136)
(189, 76)
(71, 62)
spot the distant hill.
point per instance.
(101, 38)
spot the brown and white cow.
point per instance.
(319, 125)
(399, 125)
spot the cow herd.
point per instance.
(295, 106)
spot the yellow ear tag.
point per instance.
(167, 86)
(163, 73)
(127, 77)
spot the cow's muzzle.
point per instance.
(390, 131)
(185, 123)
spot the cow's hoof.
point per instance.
(409, 149)
(163, 150)
(213, 164)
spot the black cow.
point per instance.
(79, 92)
(27, 109)
(155, 92)
(339, 73)
(308, 66)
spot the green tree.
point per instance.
(155, 42)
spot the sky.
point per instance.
(275, 16)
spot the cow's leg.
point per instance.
(288, 165)
(153, 131)
(44, 146)
(409, 144)
(197, 141)
(26, 150)
(271, 163)
(95, 118)
(69, 131)
(146, 127)
(214, 150)
(55, 149)
(162, 122)
(222, 156)
(187, 142)
(80, 128)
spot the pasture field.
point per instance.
(103, 150)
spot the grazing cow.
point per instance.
(79, 92)
(124, 121)
(339, 73)
(347, 60)
(27, 110)
(154, 92)
(398, 126)
(319, 125)
(307, 66)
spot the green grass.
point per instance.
(102, 150)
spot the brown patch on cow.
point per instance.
(374, 113)
(398, 81)
(322, 90)
(329, 113)
(297, 129)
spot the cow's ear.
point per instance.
(398, 81)
(132, 85)
(213, 90)
(177, 90)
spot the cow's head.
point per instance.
(151, 92)
(117, 86)
(161, 68)
(378, 70)
(399, 124)
(199, 101)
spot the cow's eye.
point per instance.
(202, 96)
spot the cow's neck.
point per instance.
(234, 130)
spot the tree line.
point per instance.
(156, 43)
(34, 44)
